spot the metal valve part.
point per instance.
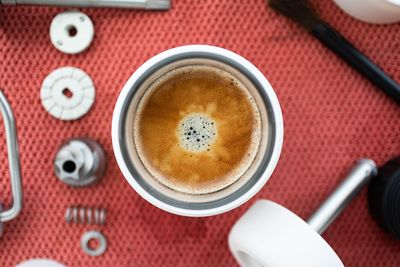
(80, 162)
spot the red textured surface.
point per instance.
(332, 117)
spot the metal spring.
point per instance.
(85, 215)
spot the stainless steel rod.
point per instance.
(130, 4)
(13, 161)
(355, 181)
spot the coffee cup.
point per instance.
(197, 130)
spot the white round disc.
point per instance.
(268, 234)
(40, 263)
(67, 93)
(71, 32)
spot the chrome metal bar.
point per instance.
(13, 161)
(131, 4)
(355, 181)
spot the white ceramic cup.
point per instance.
(372, 11)
(225, 199)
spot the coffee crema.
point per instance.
(197, 129)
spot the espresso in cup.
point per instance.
(197, 130)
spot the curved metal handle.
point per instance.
(13, 161)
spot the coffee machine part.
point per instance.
(130, 4)
(94, 235)
(8, 214)
(67, 93)
(372, 11)
(85, 215)
(268, 230)
(384, 197)
(80, 162)
(40, 263)
(71, 32)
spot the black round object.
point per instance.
(384, 197)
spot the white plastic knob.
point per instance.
(270, 235)
(71, 32)
(71, 80)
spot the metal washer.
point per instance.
(58, 103)
(89, 235)
(71, 32)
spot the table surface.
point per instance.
(332, 117)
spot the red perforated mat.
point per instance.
(332, 117)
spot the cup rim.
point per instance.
(274, 105)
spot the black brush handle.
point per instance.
(343, 48)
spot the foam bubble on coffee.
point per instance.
(196, 132)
